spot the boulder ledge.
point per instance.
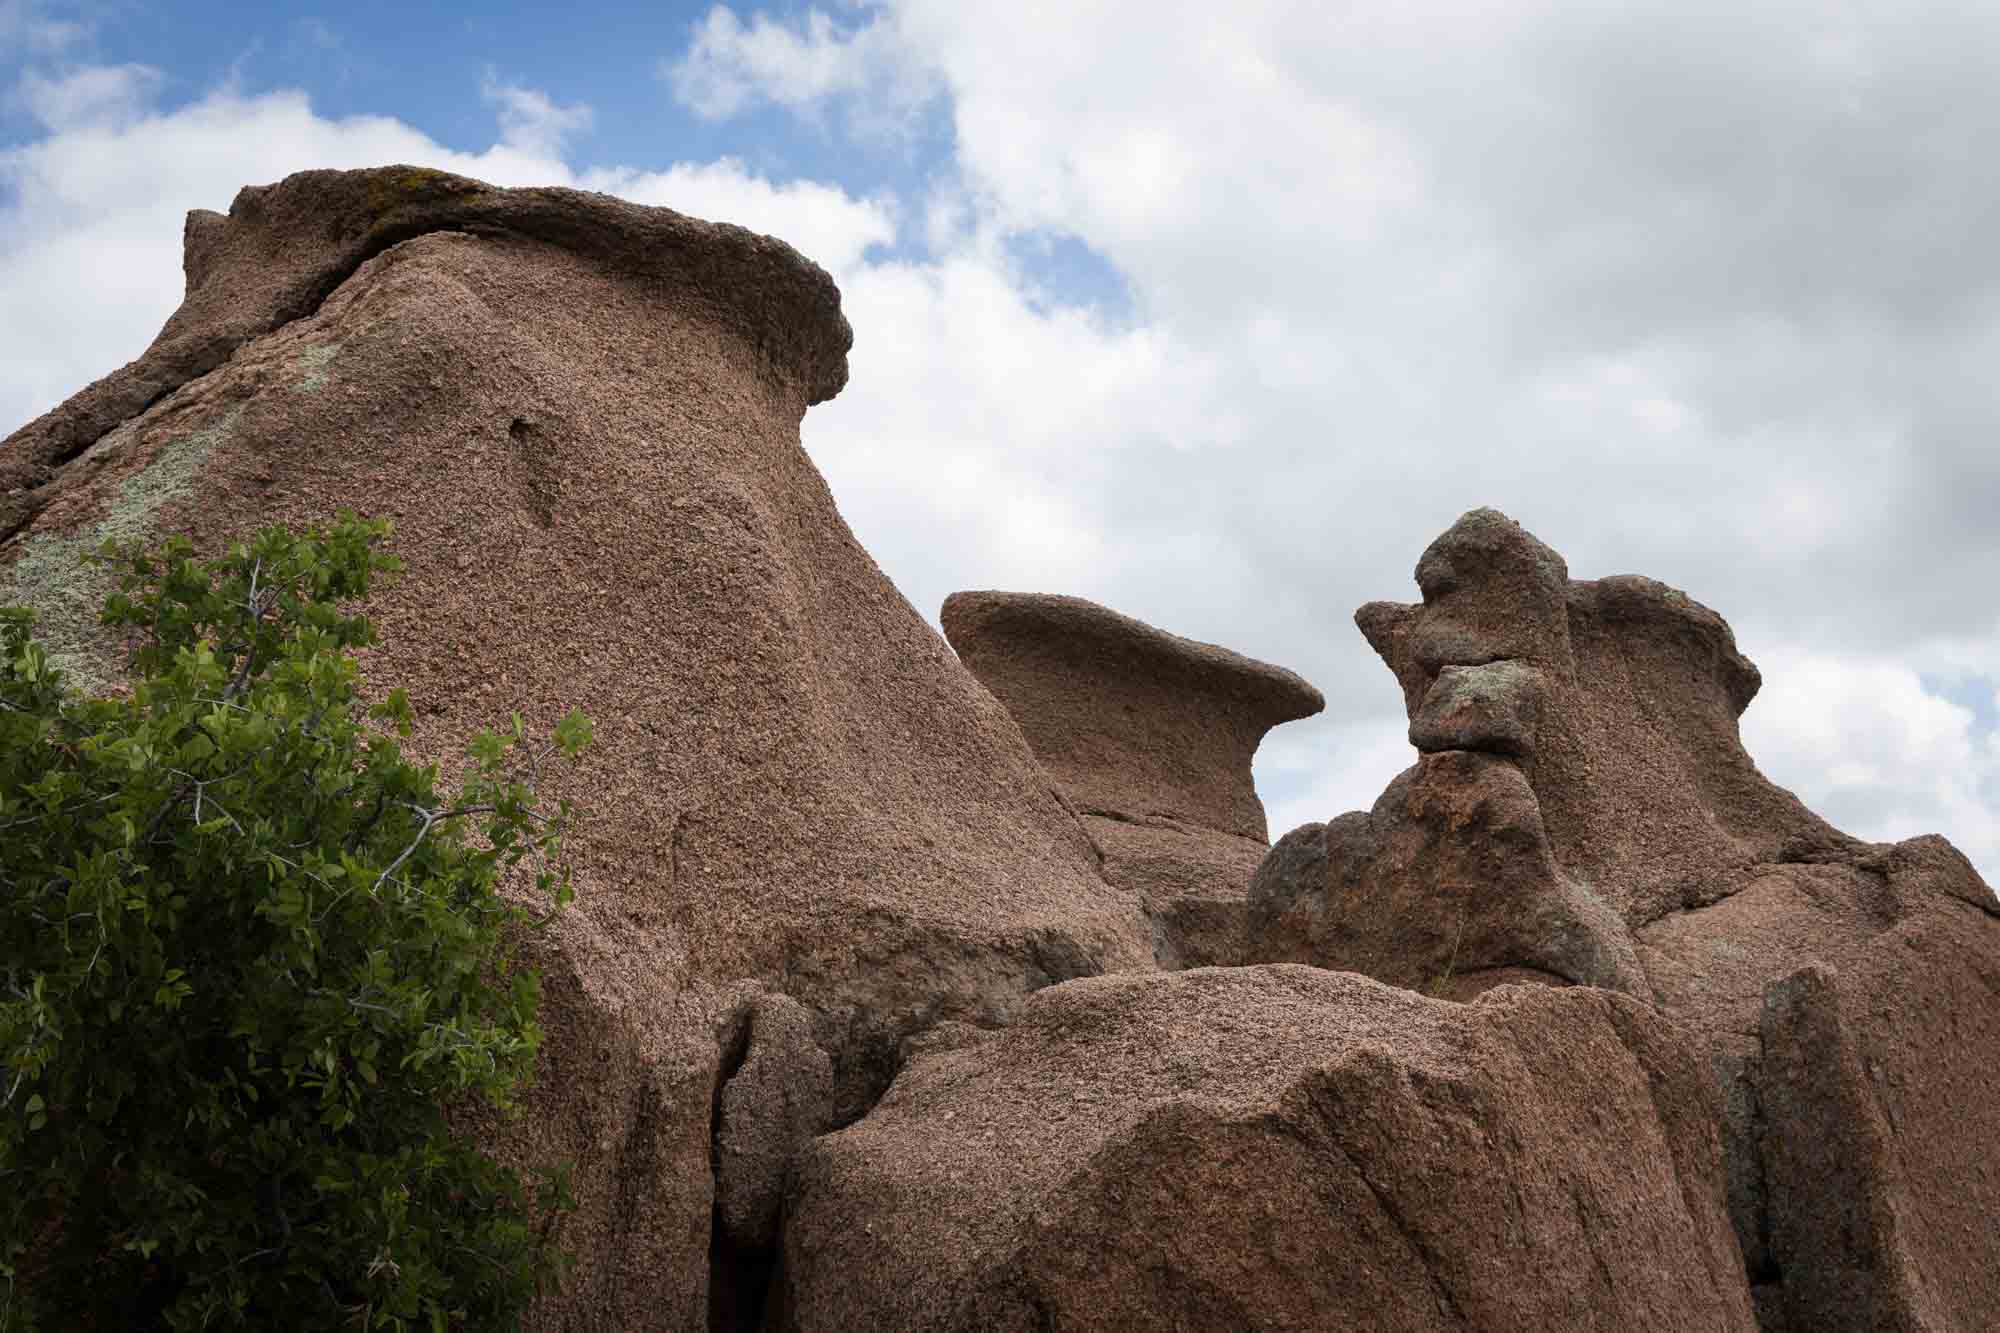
(1279, 1148)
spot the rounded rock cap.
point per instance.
(283, 248)
(1074, 627)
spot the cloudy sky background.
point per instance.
(1218, 315)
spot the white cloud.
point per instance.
(821, 221)
(731, 66)
(25, 26)
(1344, 768)
(1866, 745)
(94, 96)
(530, 122)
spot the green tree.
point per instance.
(247, 958)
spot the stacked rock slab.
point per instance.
(1149, 737)
(1279, 1148)
(1583, 812)
(583, 417)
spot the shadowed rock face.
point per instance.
(1150, 738)
(1447, 886)
(1279, 1148)
(1584, 812)
(583, 416)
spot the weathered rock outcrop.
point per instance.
(1279, 1148)
(1584, 812)
(818, 854)
(583, 416)
(1618, 697)
(1149, 737)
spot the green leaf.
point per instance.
(573, 733)
(487, 748)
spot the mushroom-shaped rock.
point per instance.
(1135, 723)
(284, 248)
(583, 416)
(1149, 736)
(1584, 795)
(1279, 1148)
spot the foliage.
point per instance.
(246, 961)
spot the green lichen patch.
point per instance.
(314, 361)
(391, 192)
(66, 594)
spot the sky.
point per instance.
(1219, 314)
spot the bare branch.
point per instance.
(404, 855)
(257, 613)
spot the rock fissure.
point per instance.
(1331, 1120)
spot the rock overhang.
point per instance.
(1073, 628)
(1149, 737)
(783, 303)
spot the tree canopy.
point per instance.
(247, 959)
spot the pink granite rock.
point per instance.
(1279, 1148)
(1149, 737)
(583, 416)
(1586, 810)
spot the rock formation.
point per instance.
(1641, 1044)
(1583, 812)
(1149, 737)
(1279, 1148)
(583, 417)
